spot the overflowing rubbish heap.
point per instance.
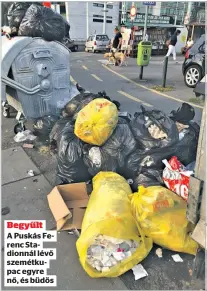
(94, 134)
(121, 154)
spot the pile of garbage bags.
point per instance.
(34, 20)
(120, 234)
(111, 241)
(131, 161)
(92, 135)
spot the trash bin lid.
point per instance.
(10, 49)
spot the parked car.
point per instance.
(71, 44)
(194, 63)
(97, 42)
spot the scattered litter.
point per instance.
(24, 135)
(28, 146)
(158, 252)
(5, 210)
(139, 272)
(44, 149)
(177, 258)
(35, 180)
(25, 188)
(30, 173)
(107, 252)
(70, 232)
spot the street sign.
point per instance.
(149, 3)
(133, 11)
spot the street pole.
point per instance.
(176, 11)
(104, 20)
(67, 10)
(87, 21)
(145, 21)
(144, 34)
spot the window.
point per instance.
(109, 6)
(102, 37)
(108, 21)
(98, 5)
(97, 20)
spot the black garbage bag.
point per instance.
(71, 168)
(16, 13)
(96, 160)
(55, 133)
(150, 159)
(40, 21)
(147, 177)
(187, 146)
(44, 125)
(121, 143)
(145, 121)
(113, 154)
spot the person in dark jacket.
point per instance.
(172, 44)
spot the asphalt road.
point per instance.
(88, 71)
(122, 83)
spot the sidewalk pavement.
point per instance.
(27, 199)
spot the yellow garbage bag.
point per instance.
(162, 216)
(96, 121)
(108, 213)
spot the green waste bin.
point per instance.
(144, 53)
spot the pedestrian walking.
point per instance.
(117, 42)
(172, 43)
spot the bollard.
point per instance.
(141, 72)
(164, 72)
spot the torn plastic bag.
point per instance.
(71, 168)
(188, 143)
(147, 177)
(153, 129)
(96, 122)
(113, 154)
(108, 213)
(40, 21)
(176, 177)
(150, 159)
(162, 216)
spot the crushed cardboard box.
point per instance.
(68, 204)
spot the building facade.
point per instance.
(176, 10)
(87, 18)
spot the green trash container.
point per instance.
(144, 53)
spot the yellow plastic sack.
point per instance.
(162, 216)
(96, 121)
(108, 213)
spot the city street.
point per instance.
(122, 84)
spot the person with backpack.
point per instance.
(172, 43)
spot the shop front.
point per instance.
(159, 30)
